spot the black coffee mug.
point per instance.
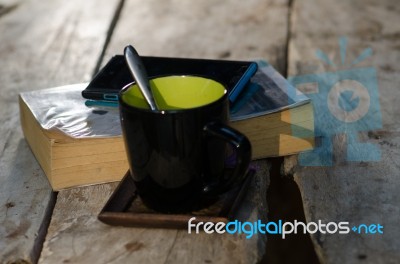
(177, 154)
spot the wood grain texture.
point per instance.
(357, 192)
(76, 236)
(43, 44)
(208, 29)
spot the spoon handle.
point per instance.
(138, 71)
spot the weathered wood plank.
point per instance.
(208, 29)
(76, 236)
(43, 44)
(197, 29)
(357, 192)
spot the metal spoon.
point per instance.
(139, 74)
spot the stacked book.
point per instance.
(80, 145)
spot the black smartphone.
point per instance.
(115, 74)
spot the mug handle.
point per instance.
(242, 148)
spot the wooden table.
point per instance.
(50, 43)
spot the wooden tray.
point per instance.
(124, 208)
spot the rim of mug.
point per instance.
(170, 111)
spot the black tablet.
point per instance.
(115, 74)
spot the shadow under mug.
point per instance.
(177, 154)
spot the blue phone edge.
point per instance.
(91, 102)
(234, 93)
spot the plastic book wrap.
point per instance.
(63, 109)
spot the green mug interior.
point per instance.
(176, 92)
